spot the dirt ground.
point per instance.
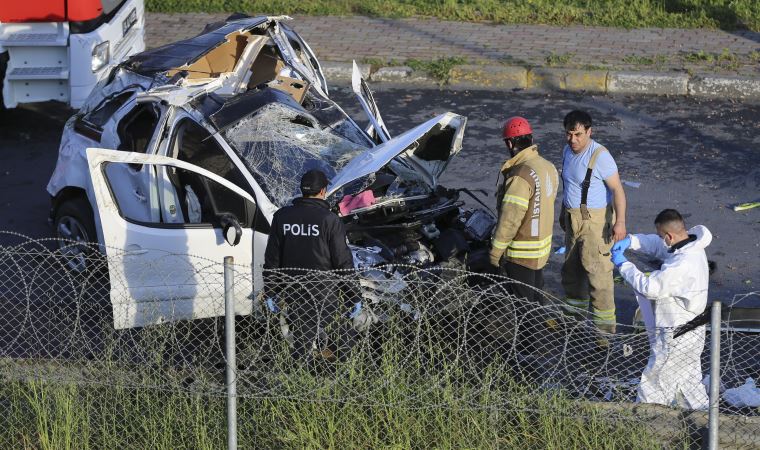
(698, 156)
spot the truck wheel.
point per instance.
(75, 228)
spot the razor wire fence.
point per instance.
(124, 339)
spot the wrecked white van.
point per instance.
(190, 148)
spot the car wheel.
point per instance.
(75, 229)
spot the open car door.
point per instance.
(170, 267)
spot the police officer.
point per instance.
(523, 237)
(306, 237)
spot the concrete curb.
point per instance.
(647, 83)
(489, 77)
(725, 87)
(502, 77)
(342, 71)
(559, 79)
(401, 74)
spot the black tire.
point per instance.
(75, 222)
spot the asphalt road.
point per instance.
(698, 156)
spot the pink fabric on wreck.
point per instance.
(360, 200)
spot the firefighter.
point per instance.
(593, 218)
(307, 237)
(669, 299)
(523, 236)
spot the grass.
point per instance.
(700, 56)
(561, 59)
(724, 60)
(411, 386)
(641, 60)
(724, 14)
(382, 398)
(439, 69)
(50, 416)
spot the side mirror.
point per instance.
(231, 229)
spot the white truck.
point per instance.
(59, 49)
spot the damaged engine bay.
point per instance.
(427, 231)
(409, 226)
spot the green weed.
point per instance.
(555, 59)
(375, 63)
(439, 69)
(726, 60)
(640, 60)
(699, 56)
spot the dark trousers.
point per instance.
(314, 317)
(524, 276)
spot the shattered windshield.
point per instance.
(278, 144)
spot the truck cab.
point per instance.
(59, 49)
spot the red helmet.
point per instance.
(516, 126)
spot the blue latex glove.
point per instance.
(618, 258)
(272, 304)
(356, 310)
(622, 245)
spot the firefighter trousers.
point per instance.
(529, 282)
(587, 271)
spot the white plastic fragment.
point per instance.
(746, 395)
(633, 184)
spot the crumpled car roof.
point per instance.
(183, 52)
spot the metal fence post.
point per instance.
(714, 418)
(229, 341)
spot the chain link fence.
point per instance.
(134, 357)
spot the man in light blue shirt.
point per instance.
(593, 218)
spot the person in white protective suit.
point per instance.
(669, 298)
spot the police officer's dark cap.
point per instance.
(313, 181)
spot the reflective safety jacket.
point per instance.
(525, 201)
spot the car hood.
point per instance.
(426, 149)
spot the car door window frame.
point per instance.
(250, 205)
(123, 113)
(261, 223)
(84, 126)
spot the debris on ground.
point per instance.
(633, 184)
(746, 206)
(746, 395)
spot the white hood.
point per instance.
(704, 238)
(427, 149)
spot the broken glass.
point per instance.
(278, 144)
